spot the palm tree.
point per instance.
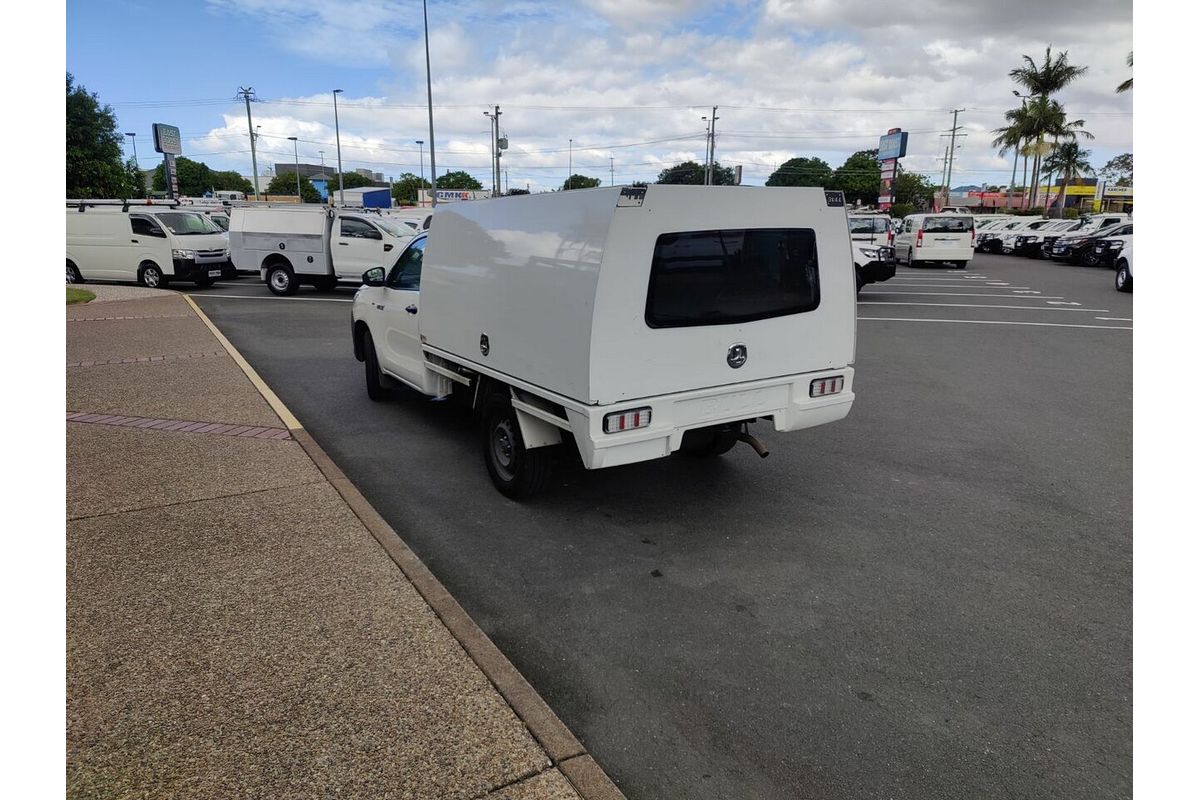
(1014, 136)
(1127, 84)
(1042, 82)
(1070, 162)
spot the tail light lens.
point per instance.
(920, 236)
(891, 236)
(822, 387)
(627, 420)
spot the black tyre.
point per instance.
(707, 442)
(1090, 259)
(73, 275)
(281, 280)
(204, 283)
(1123, 280)
(152, 277)
(858, 280)
(375, 387)
(517, 472)
(960, 264)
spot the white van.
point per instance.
(936, 237)
(151, 244)
(623, 323)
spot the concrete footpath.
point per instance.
(240, 621)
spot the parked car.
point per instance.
(936, 237)
(1009, 237)
(1124, 277)
(150, 242)
(869, 228)
(1029, 242)
(990, 240)
(1106, 251)
(746, 312)
(1079, 247)
(873, 263)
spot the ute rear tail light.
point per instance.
(627, 420)
(920, 236)
(891, 236)
(823, 387)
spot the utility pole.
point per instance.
(570, 160)
(429, 90)
(707, 137)
(421, 185)
(610, 171)
(495, 117)
(247, 94)
(950, 165)
(506, 180)
(712, 149)
(296, 156)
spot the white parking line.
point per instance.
(1117, 319)
(982, 305)
(268, 297)
(1001, 322)
(950, 286)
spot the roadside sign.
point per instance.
(167, 140)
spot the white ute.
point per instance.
(290, 244)
(625, 323)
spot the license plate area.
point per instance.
(214, 273)
(732, 405)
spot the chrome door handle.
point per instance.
(411, 309)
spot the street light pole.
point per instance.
(338, 136)
(570, 160)
(133, 138)
(429, 94)
(296, 155)
(421, 186)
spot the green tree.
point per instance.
(229, 180)
(1070, 162)
(1119, 169)
(350, 180)
(689, 172)
(459, 181)
(802, 172)
(914, 190)
(285, 183)
(407, 187)
(134, 179)
(858, 177)
(580, 182)
(94, 164)
(1127, 84)
(195, 177)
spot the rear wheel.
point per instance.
(960, 264)
(517, 472)
(1090, 259)
(204, 283)
(281, 280)
(707, 442)
(73, 275)
(375, 388)
(1123, 280)
(152, 277)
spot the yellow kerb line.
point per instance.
(272, 399)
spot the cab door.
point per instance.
(357, 247)
(400, 353)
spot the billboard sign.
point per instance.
(166, 139)
(893, 145)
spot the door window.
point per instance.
(144, 226)
(358, 229)
(407, 272)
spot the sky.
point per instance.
(613, 89)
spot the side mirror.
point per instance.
(373, 277)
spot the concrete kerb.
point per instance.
(563, 748)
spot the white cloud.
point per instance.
(614, 72)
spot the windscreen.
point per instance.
(868, 224)
(948, 225)
(187, 223)
(727, 276)
(392, 227)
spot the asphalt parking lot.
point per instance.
(929, 599)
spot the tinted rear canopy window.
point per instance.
(948, 225)
(727, 276)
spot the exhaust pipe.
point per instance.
(759, 447)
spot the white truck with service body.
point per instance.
(289, 244)
(627, 323)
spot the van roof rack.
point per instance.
(83, 205)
